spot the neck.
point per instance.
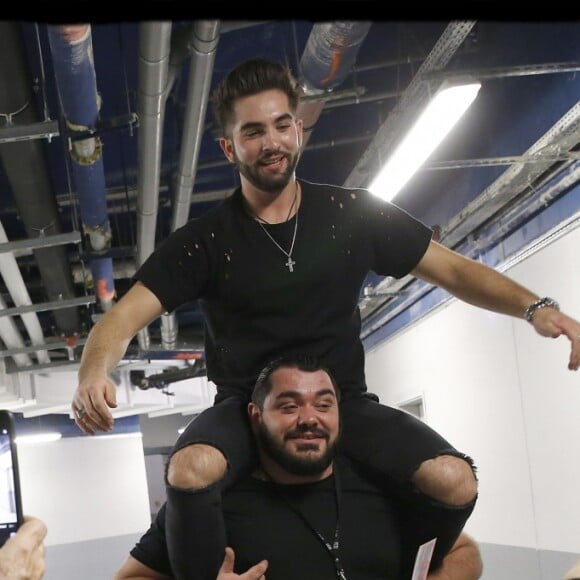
(270, 471)
(272, 208)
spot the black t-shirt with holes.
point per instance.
(256, 309)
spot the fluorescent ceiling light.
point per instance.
(441, 114)
(37, 438)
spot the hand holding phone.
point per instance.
(10, 497)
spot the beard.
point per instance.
(269, 183)
(295, 464)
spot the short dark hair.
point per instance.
(302, 362)
(250, 78)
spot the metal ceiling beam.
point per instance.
(40, 242)
(48, 346)
(40, 130)
(45, 306)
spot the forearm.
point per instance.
(474, 283)
(110, 337)
(492, 291)
(105, 347)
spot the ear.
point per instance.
(254, 415)
(300, 132)
(228, 148)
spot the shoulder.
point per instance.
(357, 200)
(215, 219)
(329, 191)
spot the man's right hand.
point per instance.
(105, 347)
(92, 400)
(226, 572)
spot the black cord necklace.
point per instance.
(331, 548)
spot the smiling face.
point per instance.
(298, 427)
(264, 140)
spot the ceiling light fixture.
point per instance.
(37, 438)
(435, 122)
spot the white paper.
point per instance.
(423, 560)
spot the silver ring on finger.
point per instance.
(80, 413)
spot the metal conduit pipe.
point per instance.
(72, 53)
(539, 198)
(202, 47)
(154, 49)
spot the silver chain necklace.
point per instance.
(289, 262)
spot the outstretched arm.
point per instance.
(482, 286)
(462, 562)
(105, 347)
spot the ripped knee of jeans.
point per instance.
(195, 467)
(449, 478)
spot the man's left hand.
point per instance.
(226, 572)
(550, 322)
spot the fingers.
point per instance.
(32, 532)
(571, 328)
(256, 572)
(574, 362)
(226, 570)
(228, 563)
(90, 406)
(554, 324)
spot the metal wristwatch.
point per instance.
(540, 303)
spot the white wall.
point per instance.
(503, 394)
(86, 488)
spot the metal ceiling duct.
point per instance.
(154, 50)
(202, 47)
(72, 55)
(32, 189)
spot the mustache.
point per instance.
(268, 156)
(306, 430)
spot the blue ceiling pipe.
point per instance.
(72, 55)
(328, 58)
(330, 54)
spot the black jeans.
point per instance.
(388, 443)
